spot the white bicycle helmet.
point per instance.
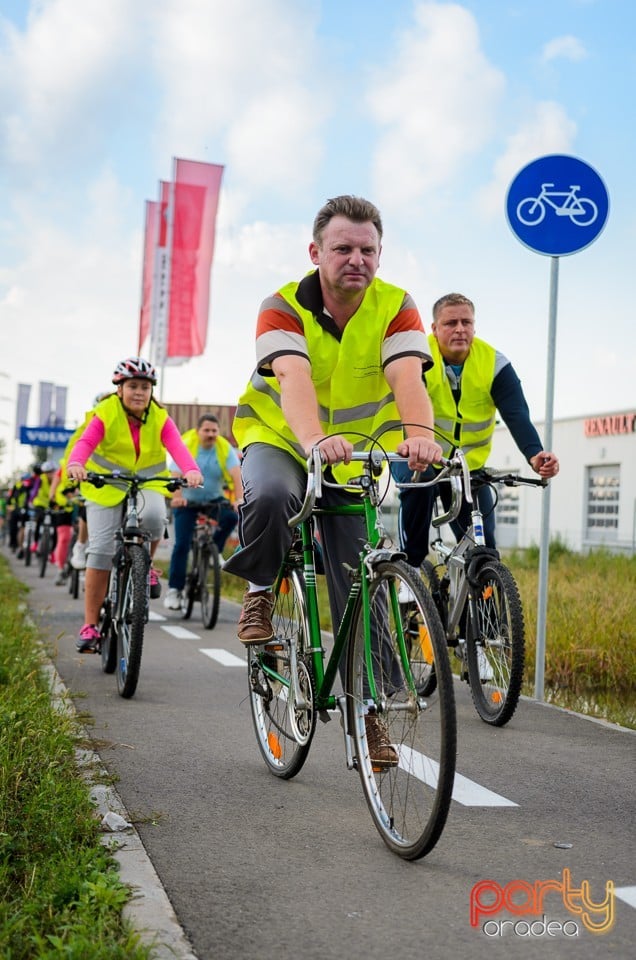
(49, 466)
(134, 368)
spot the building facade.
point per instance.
(593, 498)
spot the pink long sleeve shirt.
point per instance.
(170, 438)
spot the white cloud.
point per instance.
(564, 48)
(241, 73)
(436, 99)
(547, 130)
(56, 76)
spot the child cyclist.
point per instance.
(131, 432)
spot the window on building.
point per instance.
(603, 494)
(507, 509)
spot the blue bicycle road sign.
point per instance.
(557, 205)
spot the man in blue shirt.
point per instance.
(219, 463)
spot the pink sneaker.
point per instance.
(155, 584)
(89, 639)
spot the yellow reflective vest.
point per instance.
(352, 392)
(471, 423)
(222, 448)
(117, 451)
(41, 499)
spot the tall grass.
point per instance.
(60, 894)
(590, 660)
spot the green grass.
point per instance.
(60, 894)
(590, 662)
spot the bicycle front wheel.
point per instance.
(284, 727)
(408, 783)
(210, 584)
(131, 619)
(495, 644)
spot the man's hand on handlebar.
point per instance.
(545, 464)
(421, 451)
(333, 449)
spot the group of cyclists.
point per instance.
(317, 345)
(45, 488)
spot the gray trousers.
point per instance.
(274, 488)
(104, 522)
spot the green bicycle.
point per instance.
(388, 654)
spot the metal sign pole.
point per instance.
(544, 547)
(556, 205)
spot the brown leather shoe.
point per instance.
(255, 622)
(381, 751)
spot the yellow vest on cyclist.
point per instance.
(222, 448)
(41, 499)
(353, 394)
(117, 451)
(470, 425)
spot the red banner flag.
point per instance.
(148, 269)
(195, 202)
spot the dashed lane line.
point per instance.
(627, 895)
(180, 633)
(224, 657)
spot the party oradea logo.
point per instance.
(530, 904)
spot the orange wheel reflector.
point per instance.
(274, 745)
(284, 586)
(425, 644)
(496, 696)
(487, 593)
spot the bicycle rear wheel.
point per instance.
(495, 644)
(73, 583)
(44, 549)
(284, 729)
(27, 544)
(209, 584)
(432, 583)
(409, 797)
(190, 588)
(108, 633)
(131, 619)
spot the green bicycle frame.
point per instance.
(324, 676)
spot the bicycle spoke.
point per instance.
(408, 782)
(283, 729)
(495, 644)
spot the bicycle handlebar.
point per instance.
(118, 476)
(486, 475)
(373, 459)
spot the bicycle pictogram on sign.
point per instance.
(581, 210)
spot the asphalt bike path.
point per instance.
(538, 851)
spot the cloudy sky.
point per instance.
(428, 108)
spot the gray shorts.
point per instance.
(104, 522)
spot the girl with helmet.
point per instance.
(129, 431)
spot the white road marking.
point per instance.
(627, 895)
(181, 633)
(465, 791)
(156, 617)
(224, 657)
